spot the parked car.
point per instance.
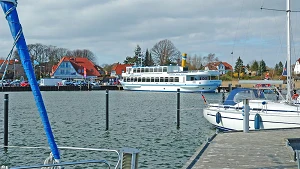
(24, 84)
(15, 83)
(3, 83)
(67, 83)
(80, 83)
(94, 84)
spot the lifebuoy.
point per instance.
(295, 96)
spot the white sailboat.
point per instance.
(265, 112)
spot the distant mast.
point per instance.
(289, 85)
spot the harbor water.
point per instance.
(142, 120)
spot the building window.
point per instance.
(165, 69)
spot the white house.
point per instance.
(297, 67)
(222, 67)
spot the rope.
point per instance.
(8, 58)
(51, 160)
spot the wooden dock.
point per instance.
(257, 149)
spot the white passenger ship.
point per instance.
(169, 79)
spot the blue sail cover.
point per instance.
(15, 27)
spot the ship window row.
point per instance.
(151, 79)
(150, 69)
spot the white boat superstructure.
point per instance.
(169, 79)
(267, 111)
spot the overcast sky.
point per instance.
(111, 29)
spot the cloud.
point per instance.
(112, 28)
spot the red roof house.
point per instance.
(118, 69)
(71, 67)
(222, 67)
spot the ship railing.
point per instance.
(126, 157)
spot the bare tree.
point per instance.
(60, 53)
(210, 58)
(36, 52)
(164, 52)
(85, 53)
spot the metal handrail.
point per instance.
(64, 164)
(68, 163)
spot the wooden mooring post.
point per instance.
(5, 122)
(178, 108)
(107, 117)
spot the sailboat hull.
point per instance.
(274, 116)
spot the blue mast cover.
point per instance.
(15, 27)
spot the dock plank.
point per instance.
(256, 149)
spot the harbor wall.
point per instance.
(63, 88)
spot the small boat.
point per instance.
(265, 112)
(169, 79)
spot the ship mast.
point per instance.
(289, 84)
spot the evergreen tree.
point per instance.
(130, 60)
(254, 66)
(262, 67)
(138, 54)
(147, 61)
(276, 69)
(280, 67)
(239, 68)
(151, 62)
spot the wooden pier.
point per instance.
(256, 149)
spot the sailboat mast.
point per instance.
(289, 84)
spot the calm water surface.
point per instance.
(141, 120)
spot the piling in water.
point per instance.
(5, 121)
(107, 110)
(178, 108)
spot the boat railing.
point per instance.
(63, 164)
(122, 160)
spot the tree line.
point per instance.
(259, 67)
(52, 55)
(163, 52)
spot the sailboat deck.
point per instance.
(256, 149)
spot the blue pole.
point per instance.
(15, 27)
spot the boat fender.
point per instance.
(218, 117)
(295, 96)
(257, 121)
(264, 102)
